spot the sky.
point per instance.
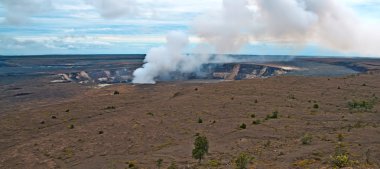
(34, 27)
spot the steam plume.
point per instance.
(163, 59)
(329, 23)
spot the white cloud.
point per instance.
(19, 11)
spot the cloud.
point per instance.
(52, 43)
(19, 11)
(115, 8)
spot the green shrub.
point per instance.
(340, 161)
(253, 115)
(256, 122)
(200, 120)
(214, 163)
(274, 115)
(71, 126)
(200, 148)
(316, 106)
(173, 165)
(243, 160)
(341, 157)
(306, 139)
(243, 126)
(340, 137)
(132, 165)
(159, 163)
(361, 105)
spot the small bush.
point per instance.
(304, 163)
(200, 120)
(243, 126)
(253, 115)
(116, 92)
(71, 126)
(132, 165)
(361, 105)
(200, 148)
(274, 115)
(340, 161)
(243, 160)
(159, 163)
(340, 137)
(256, 122)
(110, 108)
(341, 157)
(316, 106)
(214, 163)
(306, 139)
(173, 165)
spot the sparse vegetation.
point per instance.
(291, 96)
(214, 163)
(256, 122)
(341, 157)
(243, 126)
(243, 160)
(340, 137)
(173, 165)
(361, 105)
(159, 163)
(110, 108)
(132, 165)
(306, 139)
(200, 120)
(71, 126)
(340, 161)
(304, 163)
(316, 106)
(200, 148)
(253, 115)
(274, 115)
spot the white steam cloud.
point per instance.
(19, 11)
(329, 23)
(163, 59)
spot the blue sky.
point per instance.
(82, 27)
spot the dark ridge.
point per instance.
(352, 66)
(14, 88)
(82, 56)
(22, 94)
